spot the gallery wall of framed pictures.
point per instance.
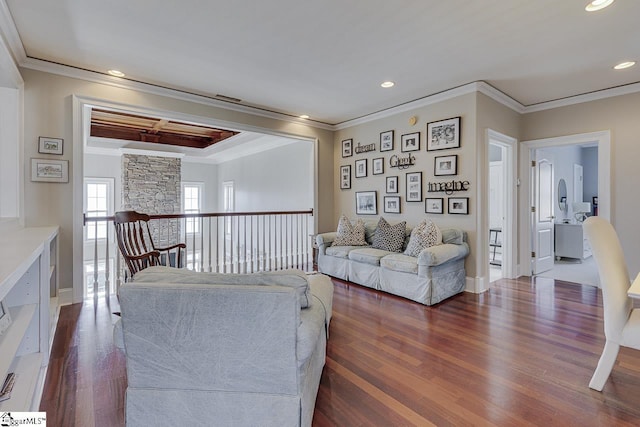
(407, 169)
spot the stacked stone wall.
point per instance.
(151, 185)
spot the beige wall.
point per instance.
(413, 212)
(497, 117)
(620, 115)
(48, 112)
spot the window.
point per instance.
(98, 201)
(229, 200)
(192, 203)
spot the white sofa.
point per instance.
(436, 274)
(223, 349)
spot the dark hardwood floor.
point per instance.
(520, 354)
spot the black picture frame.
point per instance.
(414, 187)
(392, 204)
(392, 185)
(386, 141)
(434, 205)
(377, 166)
(48, 145)
(361, 168)
(445, 165)
(366, 203)
(347, 147)
(458, 206)
(345, 177)
(410, 142)
(443, 134)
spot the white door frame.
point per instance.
(510, 160)
(81, 122)
(603, 140)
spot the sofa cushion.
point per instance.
(400, 262)
(452, 235)
(370, 230)
(341, 251)
(368, 255)
(425, 235)
(292, 278)
(389, 237)
(349, 234)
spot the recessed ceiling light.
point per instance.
(623, 65)
(387, 84)
(597, 5)
(304, 116)
(116, 73)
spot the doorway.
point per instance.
(567, 154)
(501, 209)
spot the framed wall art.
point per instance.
(414, 187)
(446, 165)
(377, 165)
(366, 203)
(459, 205)
(386, 141)
(345, 177)
(392, 204)
(410, 142)
(392, 184)
(44, 170)
(5, 317)
(347, 148)
(361, 168)
(50, 145)
(434, 205)
(443, 134)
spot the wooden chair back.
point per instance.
(136, 243)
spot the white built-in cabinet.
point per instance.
(28, 287)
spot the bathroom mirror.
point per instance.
(562, 195)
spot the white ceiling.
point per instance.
(328, 58)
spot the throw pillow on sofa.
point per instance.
(425, 235)
(389, 237)
(349, 234)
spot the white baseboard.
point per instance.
(476, 285)
(65, 296)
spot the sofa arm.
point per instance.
(324, 240)
(439, 254)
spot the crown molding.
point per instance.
(123, 83)
(587, 97)
(500, 97)
(478, 86)
(411, 105)
(10, 33)
(11, 50)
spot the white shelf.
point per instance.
(26, 256)
(54, 314)
(10, 341)
(27, 370)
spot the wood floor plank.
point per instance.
(521, 354)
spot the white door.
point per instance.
(543, 217)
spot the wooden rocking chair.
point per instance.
(136, 244)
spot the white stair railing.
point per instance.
(228, 242)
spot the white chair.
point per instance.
(621, 321)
